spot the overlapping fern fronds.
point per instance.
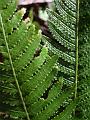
(63, 25)
(29, 84)
(69, 26)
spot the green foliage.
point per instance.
(30, 87)
(84, 60)
(70, 27)
(62, 25)
(39, 85)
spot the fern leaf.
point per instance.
(34, 66)
(8, 27)
(10, 7)
(19, 56)
(65, 115)
(14, 21)
(13, 70)
(12, 41)
(18, 63)
(41, 75)
(51, 107)
(60, 31)
(64, 29)
(70, 35)
(53, 93)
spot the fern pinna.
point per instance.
(70, 26)
(29, 84)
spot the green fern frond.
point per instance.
(63, 28)
(27, 73)
(69, 26)
(62, 33)
(11, 63)
(65, 115)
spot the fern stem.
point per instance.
(77, 38)
(14, 74)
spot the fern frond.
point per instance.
(53, 106)
(13, 70)
(52, 94)
(64, 29)
(7, 27)
(69, 26)
(34, 73)
(65, 115)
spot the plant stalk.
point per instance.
(77, 39)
